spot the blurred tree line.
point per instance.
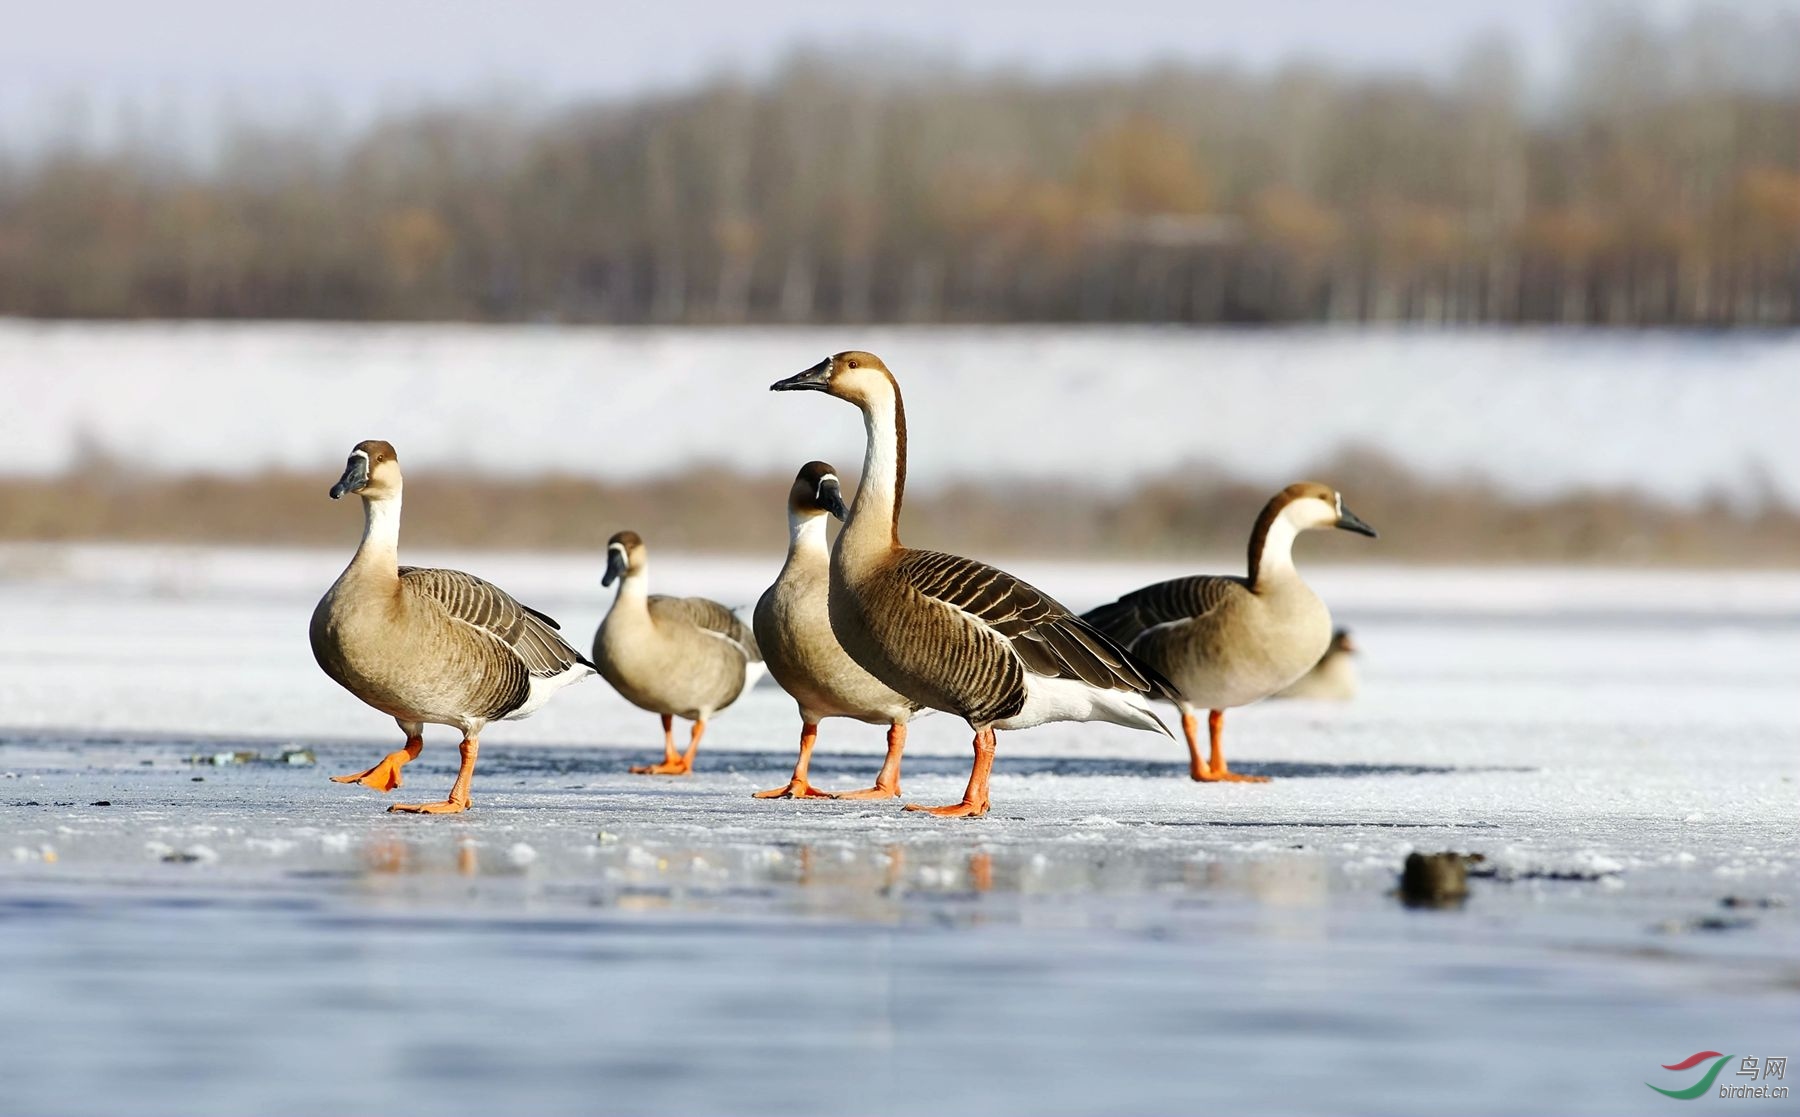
(1659, 184)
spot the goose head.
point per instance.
(1309, 505)
(625, 555)
(372, 472)
(852, 375)
(816, 492)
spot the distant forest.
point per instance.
(1658, 184)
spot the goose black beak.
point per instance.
(1349, 521)
(814, 379)
(615, 566)
(355, 478)
(831, 498)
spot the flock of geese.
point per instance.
(867, 629)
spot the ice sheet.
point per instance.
(253, 938)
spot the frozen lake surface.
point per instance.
(1539, 411)
(200, 939)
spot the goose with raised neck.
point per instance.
(1227, 641)
(686, 657)
(793, 629)
(428, 646)
(950, 633)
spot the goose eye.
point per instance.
(852, 364)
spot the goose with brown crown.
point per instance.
(426, 646)
(950, 633)
(793, 628)
(685, 657)
(1227, 641)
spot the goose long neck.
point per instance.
(379, 552)
(634, 589)
(875, 514)
(806, 537)
(1272, 548)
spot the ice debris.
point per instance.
(1435, 880)
(295, 758)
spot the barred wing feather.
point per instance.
(1047, 638)
(531, 635)
(708, 615)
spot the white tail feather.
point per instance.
(1048, 699)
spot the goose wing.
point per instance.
(709, 616)
(1048, 639)
(530, 635)
(1171, 602)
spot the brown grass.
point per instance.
(1191, 511)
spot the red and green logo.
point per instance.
(1706, 1080)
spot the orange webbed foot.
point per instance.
(380, 777)
(448, 806)
(1207, 775)
(384, 777)
(677, 767)
(879, 791)
(964, 809)
(796, 789)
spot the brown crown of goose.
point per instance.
(382, 477)
(803, 495)
(859, 358)
(379, 450)
(854, 359)
(635, 552)
(1299, 490)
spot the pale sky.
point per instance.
(181, 63)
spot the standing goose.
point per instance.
(1229, 641)
(793, 628)
(1333, 678)
(950, 633)
(436, 646)
(673, 656)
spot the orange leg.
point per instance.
(887, 784)
(674, 763)
(459, 791)
(1216, 771)
(975, 799)
(798, 787)
(1190, 728)
(385, 776)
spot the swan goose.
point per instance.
(950, 633)
(429, 646)
(675, 656)
(793, 629)
(1227, 641)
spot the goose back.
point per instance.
(1220, 642)
(687, 656)
(440, 646)
(959, 635)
